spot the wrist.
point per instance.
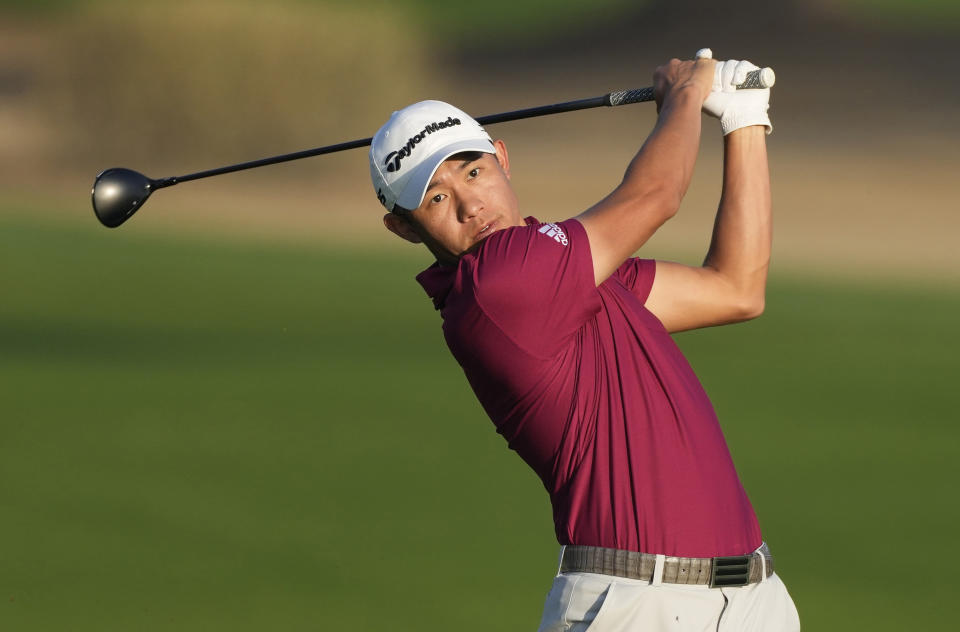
(735, 119)
(750, 133)
(683, 97)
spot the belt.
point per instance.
(716, 572)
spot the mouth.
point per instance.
(487, 230)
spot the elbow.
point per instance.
(749, 307)
(744, 295)
(667, 202)
(663, 202)
(670, 209)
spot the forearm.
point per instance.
(652, 187)
(664, 165)
(742, 233)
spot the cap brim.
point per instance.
(416, 188)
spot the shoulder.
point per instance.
(526, 248)
(516, 259)
(527, 276)
(535, 285)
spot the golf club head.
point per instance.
(118, 193)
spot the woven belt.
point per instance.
(716, 572)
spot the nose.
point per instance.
(469, 207)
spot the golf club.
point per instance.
(118, 193)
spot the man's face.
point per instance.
(466, 202)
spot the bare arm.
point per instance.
(731, 284)
(659, 174)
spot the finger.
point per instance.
(740, 72)
(727, 82)
(704, 53)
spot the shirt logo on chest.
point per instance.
(552, 230)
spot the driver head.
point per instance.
(118, 193)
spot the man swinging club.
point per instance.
(565, 340)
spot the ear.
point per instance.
(502, 156)
(401, 227)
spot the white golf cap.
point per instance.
(408, 149)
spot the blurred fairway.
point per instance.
(203, 435)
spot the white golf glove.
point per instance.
(737, 108)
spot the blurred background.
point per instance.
(237, 411)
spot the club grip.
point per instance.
(626, 97)
(760, 78)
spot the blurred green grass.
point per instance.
(203, 435)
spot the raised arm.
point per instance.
(730, 286)
(658, 176)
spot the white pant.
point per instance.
(603, 603)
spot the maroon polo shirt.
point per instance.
(591, 391)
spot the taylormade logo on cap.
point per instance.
(393, 159)
(408, 149)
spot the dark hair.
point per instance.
(469, 156)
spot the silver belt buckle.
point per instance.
(730, 571)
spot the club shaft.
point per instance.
(543, 110)
(760, 78)
(306, 153)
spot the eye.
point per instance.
(436, 199)
(474, 172)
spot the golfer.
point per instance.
(565, 340)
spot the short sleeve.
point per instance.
(536, 284)
(637, 276)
